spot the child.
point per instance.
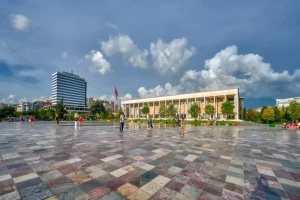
(80, 122)
(76, 117)
(178, 122)
(182, 126)
(150, 126)
(56, 119)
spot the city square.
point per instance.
(97, 162)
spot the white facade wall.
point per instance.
(132, 108)
(286, 102)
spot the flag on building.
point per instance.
(116, 93)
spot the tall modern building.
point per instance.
(69, 87)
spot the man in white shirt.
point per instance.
(122, 119)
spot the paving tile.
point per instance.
(72, 193)
(5, 177)
(127, 189)
(39, 195)
(118, 172)
(50, 175)
(151, 187)
(79, 177)
(11, 196)
(56, 189)
(190, 191)
(99, 192)
(113, 196)
(165, 193)
(28, 183)
(32, 189)
(139, 195)
(25, 177)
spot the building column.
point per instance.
(158, 109)
(138, 110)
(215, 107)
(186, 108)
(236, 105)
(179, 109)
(149, 109)
(153, 110)
(129, 111)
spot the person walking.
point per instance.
(31, 119)
(182, 126)
(80, 122)
(150, 126)
(122, 119)
(76, 118)
(56, 120)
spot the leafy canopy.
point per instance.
(162, 111)
(98, 108)
(171, 111)
(227, 108)
(194, 110)
(294, 110)
(268, 114)
(145, 110)
(209, 109)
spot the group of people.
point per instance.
(295, 123)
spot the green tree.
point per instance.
(209, 110)
(43, 113)
(194, 111)
(50, 114)
(162, 111)
(278, 116)
(227, 108)
(110, 116)
(171, 111)
(8, 111)
(102, 115)
(251, 115)
(268, 114)
(60, 109)
(145, 110)
(294, 110)
(98, 108)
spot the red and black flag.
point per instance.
(116, 93)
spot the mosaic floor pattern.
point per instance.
(97, 162)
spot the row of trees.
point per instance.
(97, 110)
(274, 114)
(195, 110)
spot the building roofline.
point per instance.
(178, 95)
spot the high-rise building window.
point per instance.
(69, 87)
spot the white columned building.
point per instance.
(183, 101)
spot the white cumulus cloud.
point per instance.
(228, 69)
(98, 62)
(42, 98)
(159, 90)
(124, 46)
(170, 57)
(10, 99)
(20, 22)
(126, 97)
(64, 54)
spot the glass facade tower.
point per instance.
(70, 87)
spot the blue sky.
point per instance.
(151, 48)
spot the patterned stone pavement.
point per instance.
(97, 162)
